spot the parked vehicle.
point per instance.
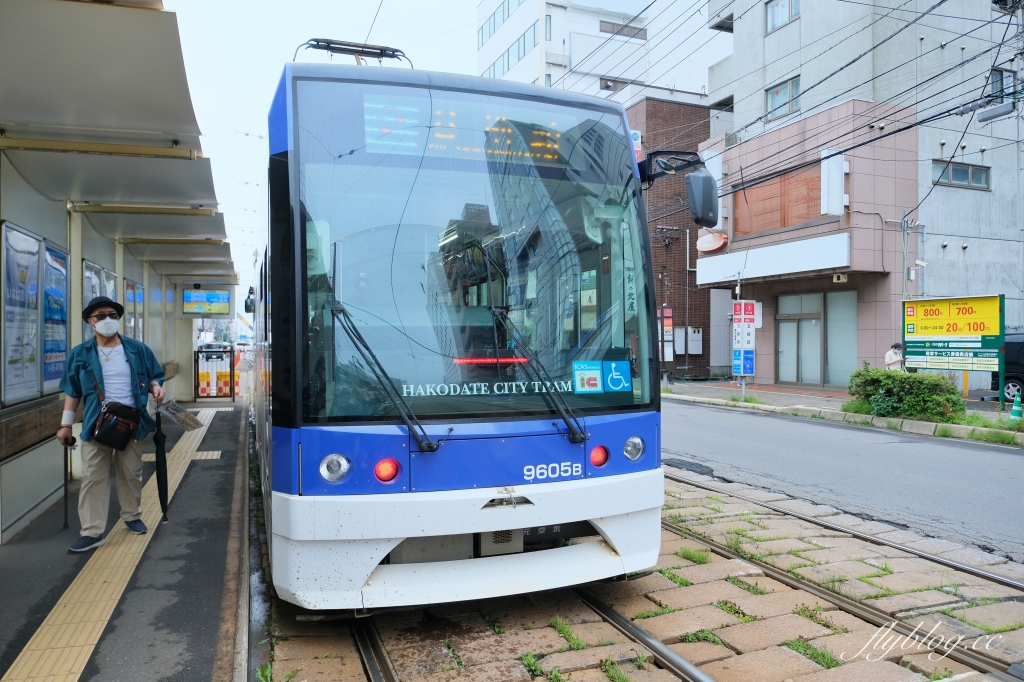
(1014, 368)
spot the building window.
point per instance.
(960, 175)
(497, 18)
(547, 27)
(512, 55)
(1000, 84)
(781, 12)
(784, 98)
(789, 200)
(547, 79)
(623, 30)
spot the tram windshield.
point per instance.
(455, 228)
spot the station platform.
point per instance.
(160, 606)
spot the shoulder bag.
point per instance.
(117, 424)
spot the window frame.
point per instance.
(631, 32)
(793, 7)
(971, 167)
(1003, 91)
(790, 109)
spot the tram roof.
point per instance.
(438, 79)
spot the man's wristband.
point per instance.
(67, 418)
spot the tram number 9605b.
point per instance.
(556, 470)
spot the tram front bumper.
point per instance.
(326, 551)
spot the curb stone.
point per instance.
(905, 425)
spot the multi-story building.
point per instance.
(839, 129)
(654, 61)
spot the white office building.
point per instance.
(615, 48)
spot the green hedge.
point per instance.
(929, 397)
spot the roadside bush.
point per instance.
(929, 397)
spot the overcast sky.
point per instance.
(234, 53)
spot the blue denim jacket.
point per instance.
(84, 364)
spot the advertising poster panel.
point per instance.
(128, 325)
(92, 286)
(21, 361)
(55, 316)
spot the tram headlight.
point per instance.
(633, 448)
(334, 467)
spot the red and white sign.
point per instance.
(744, 322)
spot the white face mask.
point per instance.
(107, 327)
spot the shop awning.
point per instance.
(93, 72)
(101, 178)
(116, 226)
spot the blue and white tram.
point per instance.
(458, 291)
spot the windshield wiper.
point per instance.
(343, 318)
(576, 432)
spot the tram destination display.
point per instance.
(960, 334)
(206, 302)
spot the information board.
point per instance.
(55, 316)
(963, 333)
(21, 360)
(744, 322)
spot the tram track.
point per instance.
(877, 617)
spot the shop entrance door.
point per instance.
(799, 339)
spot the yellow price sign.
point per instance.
(936, 319)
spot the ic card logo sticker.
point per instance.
(586, 377)
(617, 377)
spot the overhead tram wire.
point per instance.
(812, 59)
(885, 103)
(853, 61)
(966, 127)
(865, 114)
(605, 42)
(649, 43)
(634, 80)
(372, 23)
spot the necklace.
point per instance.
(106, 356)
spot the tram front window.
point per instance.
(455, 228)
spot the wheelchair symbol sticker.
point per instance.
(617, 377)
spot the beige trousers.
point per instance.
(94, 496)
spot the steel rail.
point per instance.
(877, 617)
(949, 563)
(371, 650)
(663, 656)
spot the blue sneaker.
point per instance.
(137, 527)
(85, 543)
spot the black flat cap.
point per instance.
(102, 302)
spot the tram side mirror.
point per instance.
(702, 191)
(250, 305)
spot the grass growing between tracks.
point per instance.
(492, 622)
(752, 589)
(814, 615)
(701, 636)
(808, 650)
(682, 582)
(697, 556)
(735, 611)
(562, 628)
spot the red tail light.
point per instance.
(599, 456)
(386, 470)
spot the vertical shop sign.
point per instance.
(55, 317)
(21, 370)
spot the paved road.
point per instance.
(957, 490)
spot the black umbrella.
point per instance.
(160, 442)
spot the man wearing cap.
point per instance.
(125, 371)
(894, 357)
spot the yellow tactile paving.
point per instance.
(204, 454)
(61, 647)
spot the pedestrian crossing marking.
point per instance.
(60, 649)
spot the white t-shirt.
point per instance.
(894, 354)
(117, 375)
